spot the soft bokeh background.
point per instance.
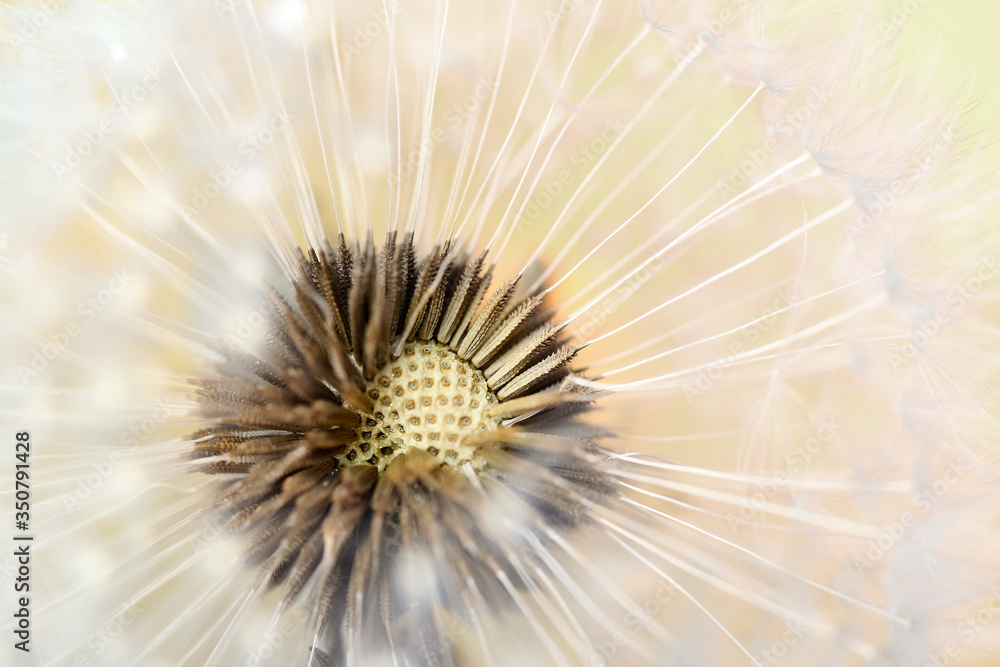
(966, 33)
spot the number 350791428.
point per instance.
(22, 477)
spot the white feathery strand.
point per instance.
(830, 525)
(673, 582)
(754, 354)
(320, 135)
(828, 215)
(621, 184)
(505, 217)
(668, 184)
(565, 125)
(736, 329)
(491, 107)
(817, 484)
(753, 555)
(660, 91)
(502, 151)
(422, 165)
(718, 214)
(344, 179)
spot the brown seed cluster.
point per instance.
(398, 395)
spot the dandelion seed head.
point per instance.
(372, 404)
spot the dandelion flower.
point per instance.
(436, 333)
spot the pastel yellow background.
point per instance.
(968, 33)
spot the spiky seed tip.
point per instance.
(367, 414)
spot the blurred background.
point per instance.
(966, 33)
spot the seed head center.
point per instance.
(426, 399)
